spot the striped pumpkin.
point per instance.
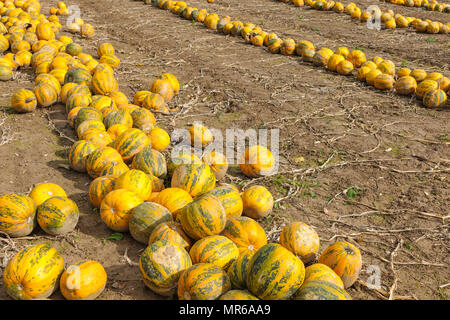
(79, 76)
(58, 215)
(139, 97)
(155, 101)
(301, 239)
(218, 163)
(115, 209)
(143, 119)
(384, 81)
(274, 273)
(24, 100)
(84, 280)
(434, 98)
(103, 83)
(321, 290)
(33, 273)
(333, 62)
(173, 81)
(89, 124)
(196, 179)
(257, 161)
(257, 202)
(99, 188)
(111, 60)
(129, 143)
(230, 199)
(100, 102)
(218, 250)
(88, 113)
(98, 137)
(161, 264)
(238, 295)
(319, 271)
(105, 48)
(200, 135)
(72, 88)
(99, 158)
(44, 191)
(425, 86)
(77, 100)
(118, 117)
(287, 47)
(203, 281)
(203, 217)
(136, 181)
(403, 72)
(150, 161)
(321, 57)
(357, 58)
(405, 85)
(344, 68)
(78, 154)
(145, 217)
(164, 88)
(418, 74)
(17, 214)
(237, 272)
(372, 75)
(246, 233)
(115, 169)
(116, 130)
(46, 94)
(174, 199)
(345, 260)
(171, 231)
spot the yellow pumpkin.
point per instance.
(257, 202)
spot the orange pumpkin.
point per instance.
(44, 191)
(115, 209)
(164, 88)
(301, 240)
(257, 202)
(24, 100)
(17, 214)
(257, 161)
(99, 188)
(345, 259)
(84, 280)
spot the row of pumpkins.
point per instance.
(388, 18)
(232, 262)
(193, 214)
(430, 88)
(432, 5)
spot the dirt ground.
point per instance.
(357, 164)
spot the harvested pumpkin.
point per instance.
(17, 214)
(58, 215)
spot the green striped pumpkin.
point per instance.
(145, 217)
(118, 117)
(130, 142)
(89, 124)
(17, 214)
(218, 250)
(274, 273)
(136, 181)
(99, 188)
(76, 89)
(104, 83)
(150, 161)
(33, 273)
(115, 168)
(170, 231)
(99, 158)
(321, 290)
(238, 295)
(301, 239)
(246, 233)
(143, 119)
(203, 217)
(78, 75)
(78, 100)
(196, 179)
(161, 264)
(181, 158)
(322, 272)
(78, 154)
(58, 215)
(203, 281)
(85, 114)
(237, 272)
(231, 200)
(434, 98)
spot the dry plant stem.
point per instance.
(52, 126)
(128, 260)
(394, 284)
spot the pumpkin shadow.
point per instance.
(80, 180)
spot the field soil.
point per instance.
(357, 164)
